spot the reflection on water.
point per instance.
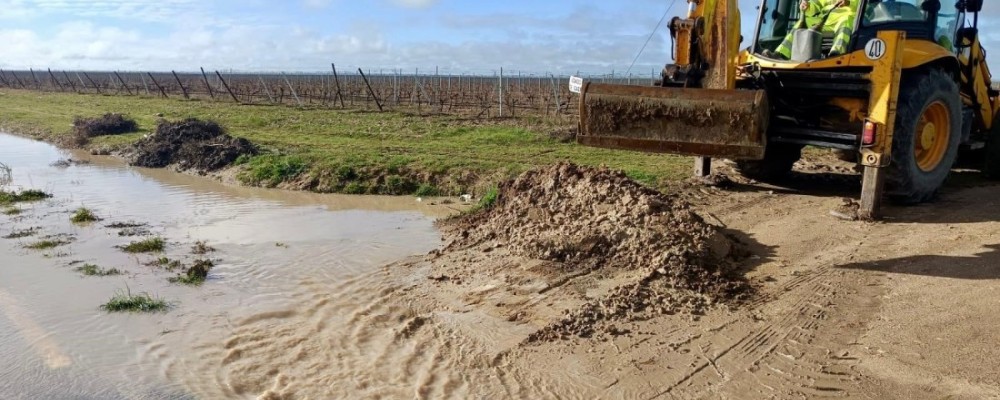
(56, 343)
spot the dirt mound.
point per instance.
(105, 125)
(189, 144)
(661, 256)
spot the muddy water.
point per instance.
(280, 256)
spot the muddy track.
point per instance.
(901, 309)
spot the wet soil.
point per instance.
(191, 144)
(900, 309)
(661, 257)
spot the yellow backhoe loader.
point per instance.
(908, 93)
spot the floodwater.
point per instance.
(281, 256)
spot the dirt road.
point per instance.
(902, 309)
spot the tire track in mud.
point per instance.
(788, 356)
(342, 340)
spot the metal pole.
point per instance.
(18, 79)
(183, 89)
(123, 83)
(336, 78)
(70, 81)
(82, 83)
(38, 85)
(501, 92)
(208, 85)
(93, 83)
(51, 75)
(144, 84)
(157, 84)
(226, 85)
(266, 89)
(377, 102)
(294, 93)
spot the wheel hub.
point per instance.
(928, 136)
(931, 136)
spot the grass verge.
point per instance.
(349, 151)
(151, 245)
(125, 301)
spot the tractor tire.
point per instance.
(777, 163)
(926, 139)
(991, 161)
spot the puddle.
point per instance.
(273, 247)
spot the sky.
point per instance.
(452, 36)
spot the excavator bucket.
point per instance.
(699, 122)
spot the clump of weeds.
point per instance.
(132, 232)
(125, 301)
(195, 274)
(488, 201)
(129, 229)
(165, 263)
(22, 233)
(93, 270)
(46, 244)
(83, 215)
(200, 248)
(125, 225)
(11, 210)
(151, 245)
(24, 196)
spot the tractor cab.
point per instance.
(937, 21)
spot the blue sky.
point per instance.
(557, 36)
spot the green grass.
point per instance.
(328, 150)
(46, 244)
(93, 270)
(11, 211)
(125, 301)
(151, 245)
(10, 197)
(196, 274)
(83, 215)
(269, 170)
(487, 201)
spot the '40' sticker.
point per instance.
(875, 49)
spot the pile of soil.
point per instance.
(189, 144)
(599, 222)
(107, 124)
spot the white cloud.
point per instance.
(190, 34)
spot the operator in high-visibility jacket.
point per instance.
(840, 23)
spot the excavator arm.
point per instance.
(697, 110)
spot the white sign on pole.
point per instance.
(575, 84)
